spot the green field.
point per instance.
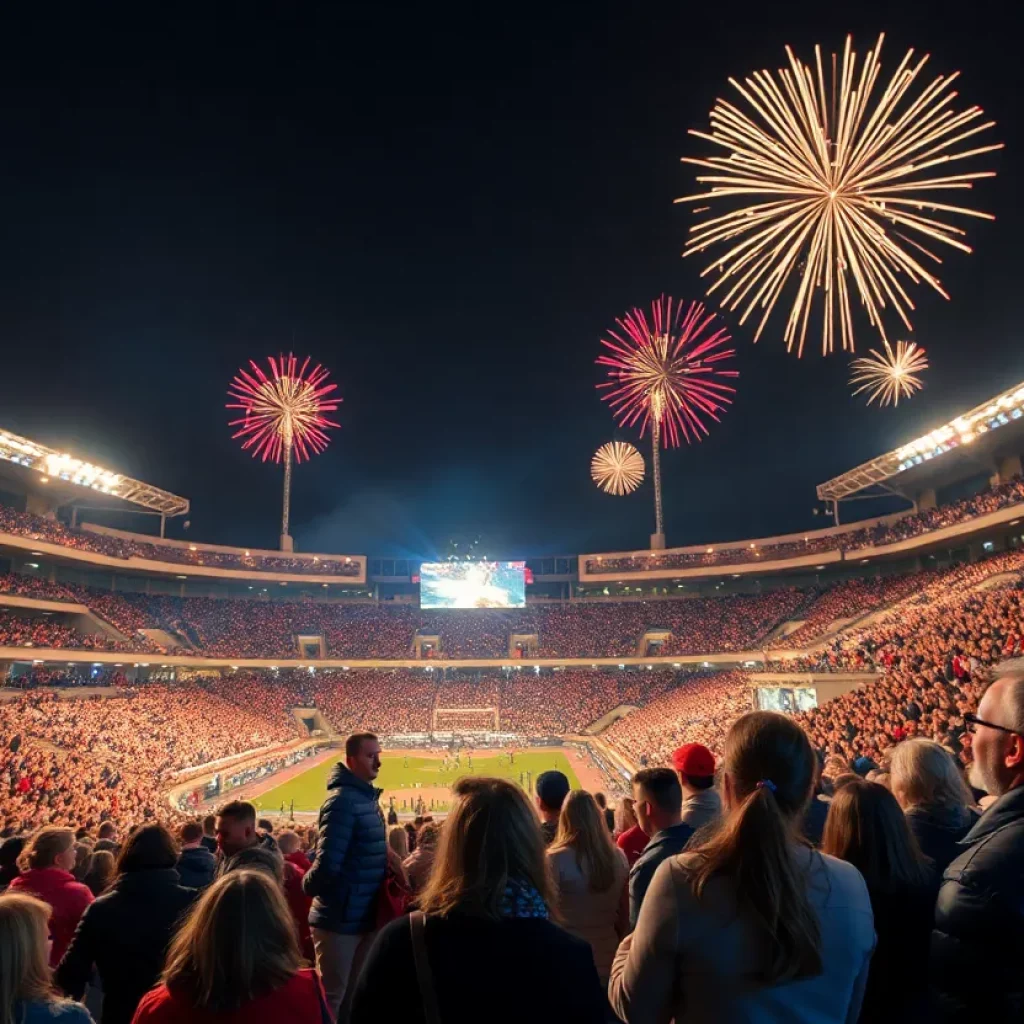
(401, 773)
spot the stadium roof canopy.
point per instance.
(973, 440)
(48, 466)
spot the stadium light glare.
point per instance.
(52, 464)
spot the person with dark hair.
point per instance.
(348, 872)
(108, 830)
(658, 803)
(46, 864)
(867, 829)
(99, 875)
(486, 903)
(10, 851)
(550, 792)
(236, 830)
(978, 943)
(196, 865)
(609, 815)
(417, 864)
(209, 839)
(220, 973)
(695, 765)
(752, 924)
(125, 933)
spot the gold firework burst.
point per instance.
(617, 468)
(890, 375)
(835, 190)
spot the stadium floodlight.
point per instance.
(51, 464)
(997, 412)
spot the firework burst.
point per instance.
(284, 409)
(890, 375)
(667, 371)
(284, 416)
(835, 189)
(667, 375)
(617, 468)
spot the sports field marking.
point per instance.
(407, 777)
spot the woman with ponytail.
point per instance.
(753, 924)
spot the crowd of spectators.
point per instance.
(847, 600)
(850, 540)
(25, 628)
(27, 524)
(166, 729)
(699, 709)
(269, 629)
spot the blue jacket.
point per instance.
(351, 857)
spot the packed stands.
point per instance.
(846, 600)
(26, 524)
(994, 498)
(700, 710)
(260, 628)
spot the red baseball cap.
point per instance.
(694, 759)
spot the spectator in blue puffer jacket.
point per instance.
(346, 877)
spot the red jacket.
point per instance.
(299, 859)
(67, 898)
(299, 904)
(299, 1001)
(632, 843)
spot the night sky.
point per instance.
(446, 204)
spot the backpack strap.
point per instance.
(425, 977)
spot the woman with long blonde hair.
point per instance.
(485, 909)
(590, 874)
(236, 957)
(752, 924)
(27, 995)
(46, 866)
(927, 782)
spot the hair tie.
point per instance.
(766, 784)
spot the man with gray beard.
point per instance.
(978, 941)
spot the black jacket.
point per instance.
(197, 867)
(125, 933)
(503, 972)
(351, 857)
(897, 989)
(664, 844)
(938, 832)
(977, 948)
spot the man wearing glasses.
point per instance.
(977, 952)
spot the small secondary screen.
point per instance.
(473, 585)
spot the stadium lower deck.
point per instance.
(920, 646)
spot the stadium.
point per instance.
(126, 649)
(437, 586)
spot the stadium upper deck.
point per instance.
(987, 439)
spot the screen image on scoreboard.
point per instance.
(473, 585)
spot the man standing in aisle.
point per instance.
(347, 875)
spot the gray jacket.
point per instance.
(697, 960)
(703, 808)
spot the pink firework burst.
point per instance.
(284, 410)
(666, 372)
